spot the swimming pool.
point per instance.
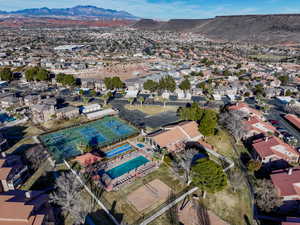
(127, 167)
(118, 150)
(140, 145)
(5, 118)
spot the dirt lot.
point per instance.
(151, 109)
(188, 216)
(149, 194)
(123, 70)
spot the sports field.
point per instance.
(65, 143)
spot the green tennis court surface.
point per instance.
(63, 144)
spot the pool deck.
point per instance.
(142, 170)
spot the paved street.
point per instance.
(275, 115)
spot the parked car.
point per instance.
(273, 122)
(280, 129)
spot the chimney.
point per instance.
(3, 154)
(28, 194)
(290, 171)
(266, 139)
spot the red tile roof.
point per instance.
(295, 120)
(241, 106)
(87, 159)
(287, 185)
(258, 126)
(16, 209)
(273, 146)
(172, 135)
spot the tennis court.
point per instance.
(65, 143)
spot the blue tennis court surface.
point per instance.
(65, 144)
(127, 167)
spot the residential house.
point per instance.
(272, 148)
(25, 208)
(245, 108)
(12, 172)
(174, 137)
(255, 126)
(30, 100)
(68, 112)
(9, 101)
(42, 113)
(293, 120)
(287, 183)
(183, 95)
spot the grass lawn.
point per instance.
(230, 206)
(118, 199)
(60, 124)
(151, 109)
(222, 144)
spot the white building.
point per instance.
(91, 108)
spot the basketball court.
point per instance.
(149, 194)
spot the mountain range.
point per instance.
(77, 12)
(267, 29)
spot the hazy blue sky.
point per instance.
(166, 9)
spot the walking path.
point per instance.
(169, 206)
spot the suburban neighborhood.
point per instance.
(127, 126)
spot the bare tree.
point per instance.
(68, 197)
(266, 196)
(233, 122)
(36, 156)
(186, 160)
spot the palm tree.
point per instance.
(130, 100)
(141, 100)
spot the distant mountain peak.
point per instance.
(76, 11)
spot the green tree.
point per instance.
(238, 66)
(42, 75)
(226, 73)
(284, 79)
(167, 83)
(6, 74)
(108, 83)
(150, 85)
(185, 85)
(194, 112)
(208, 123)
(81, 92)
(130, 100)
(208, 176)
(31, 73)
(93, 93)
(117, 83)
(288, 92)
(141, 100)
(112, 83)
(202, 85)
(65, 79)
(253, 165)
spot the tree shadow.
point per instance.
(100, 216)
(14, 134)
(23, 148)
